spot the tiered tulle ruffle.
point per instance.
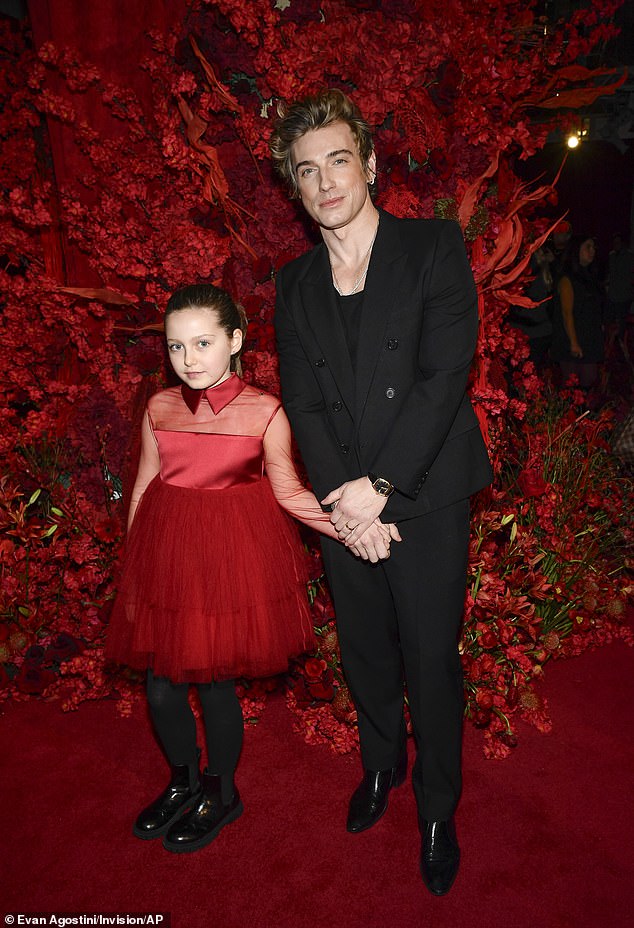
(213, 586)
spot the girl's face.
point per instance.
(199, 349)
(587, 251)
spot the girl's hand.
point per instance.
(576, 351)
(374, 544)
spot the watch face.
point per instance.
(383, 486)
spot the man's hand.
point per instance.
(356, 507)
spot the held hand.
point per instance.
(356, 507)
(392, 528)
(373, 545)
(369, 548)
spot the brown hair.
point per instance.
(315, 112)
(230, 315)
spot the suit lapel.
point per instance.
(319, 302)
(380, 295)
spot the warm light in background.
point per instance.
(572, 141)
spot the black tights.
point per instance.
(176, 726)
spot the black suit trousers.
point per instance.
(399, 621)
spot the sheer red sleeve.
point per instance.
(287, 488)
(149, 466)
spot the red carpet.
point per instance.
(546, 835)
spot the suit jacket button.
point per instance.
(337, 405)
(344, 448)
(390, 393)
(392, 344)
(320, 362)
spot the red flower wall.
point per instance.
(171, 182)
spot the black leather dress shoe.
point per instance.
(440, 856)
(369, 800)
(205, 820)
(181, 792)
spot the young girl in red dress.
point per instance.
(213, 585)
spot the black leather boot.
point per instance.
(182, 790)
(205, 819)
(369, 800)
(440, 856)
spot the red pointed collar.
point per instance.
(218, 397)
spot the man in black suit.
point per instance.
(376, 329)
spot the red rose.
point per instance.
(63, 647)
(314, 668)
(302, 695)
(322, 608)
(487, 663)
(261, 268)
(531, 482)
(481, 718)
(507, 738)
(34, 656)
(323, 691)
(445, 91)
(441, 164)
(33, 680)
(398, 175)
(512, 697)
(488, 640)
(484, 699)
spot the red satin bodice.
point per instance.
(209, 461)
(222, 437)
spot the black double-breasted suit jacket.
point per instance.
(400, 410)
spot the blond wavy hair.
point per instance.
(315, 112)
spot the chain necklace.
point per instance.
(366, 265)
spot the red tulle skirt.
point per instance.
(213, 586)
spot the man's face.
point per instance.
(332, 183)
